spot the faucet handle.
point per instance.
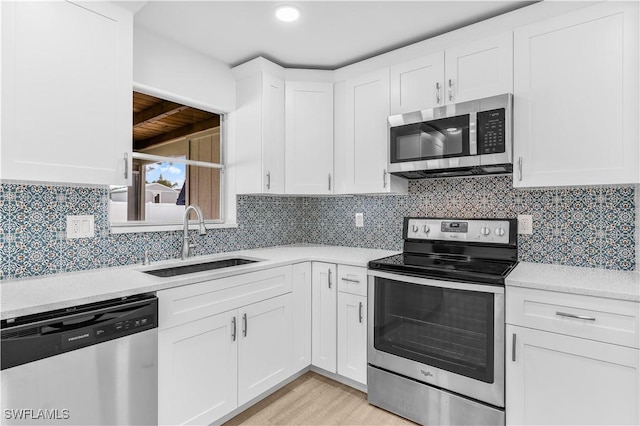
(146, 260)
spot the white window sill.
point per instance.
(129, 228)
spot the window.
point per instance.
(177, 161)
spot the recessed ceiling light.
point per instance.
(287, 13)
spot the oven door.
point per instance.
(447, 334)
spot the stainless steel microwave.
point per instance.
(468, 138)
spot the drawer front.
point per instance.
(191, 302)
(352, 279)
(595, 318)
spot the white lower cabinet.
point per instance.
(339, 299)
(352, 337)
(571, 359)
(301, 311)
(323, 325)
(265, 346)
(554, 379)
(210, 365)
(197, 371)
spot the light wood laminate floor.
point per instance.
(313, 399)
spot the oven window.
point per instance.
(443, 138)
(445, 328)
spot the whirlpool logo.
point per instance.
(426, 373)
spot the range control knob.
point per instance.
(485, 231)
(414, 228)
(426, 229)
(499, 231)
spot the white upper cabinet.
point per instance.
(362, 135)
(474, 70)
(309, 137)
(66, 92)
(259, 127)
(479, 69)
(576, 98)
(417, 84)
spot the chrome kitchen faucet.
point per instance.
(185, 221)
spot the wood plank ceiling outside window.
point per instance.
(158, 122)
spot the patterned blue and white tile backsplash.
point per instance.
(590, 226)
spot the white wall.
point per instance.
(170, 67)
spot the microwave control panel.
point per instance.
(491, 131)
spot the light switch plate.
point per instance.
(525, 224)
(359, 220)
(80, 226)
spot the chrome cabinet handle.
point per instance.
(520, 168)
(513, 348)
(329, 278)
(450, 89)
(244, 325)
(360, 312)
(126, 165)
(268, 180)
(329, 181)
(384, 178)
(350, 280)
(438, 93)
(568, 315)
(233, 327)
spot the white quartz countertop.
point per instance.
(59, 291)
(570, 279)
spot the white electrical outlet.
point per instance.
(359, 220)
(80, 226)
(525, 224)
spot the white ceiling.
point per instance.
(329, 35)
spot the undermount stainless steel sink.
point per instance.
(199, 267)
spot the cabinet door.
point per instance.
(418, 84)
(66, 92)
(323, 323)
(576, 98)
(273, 145)
(197, 366)
(365, 150)
(301, 311)
(562, 380)
(479, 69)
(352, 337)
(265, 348)
(309, 138)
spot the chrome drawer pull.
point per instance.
(582, 317)
(351, 280)
(513, 348)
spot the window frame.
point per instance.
(227, 216)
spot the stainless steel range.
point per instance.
(436, 321)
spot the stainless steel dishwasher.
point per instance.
(94, 364)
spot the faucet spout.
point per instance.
(185, 222)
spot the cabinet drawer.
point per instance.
(352, 279)
(188, 303)
(595, 318)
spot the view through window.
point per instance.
(177, 161)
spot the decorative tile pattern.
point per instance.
(586, 226)
(589, 226)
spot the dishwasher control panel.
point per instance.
(53, 333)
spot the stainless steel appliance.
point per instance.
(95, 364)
(467, 138)
(436, 321)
